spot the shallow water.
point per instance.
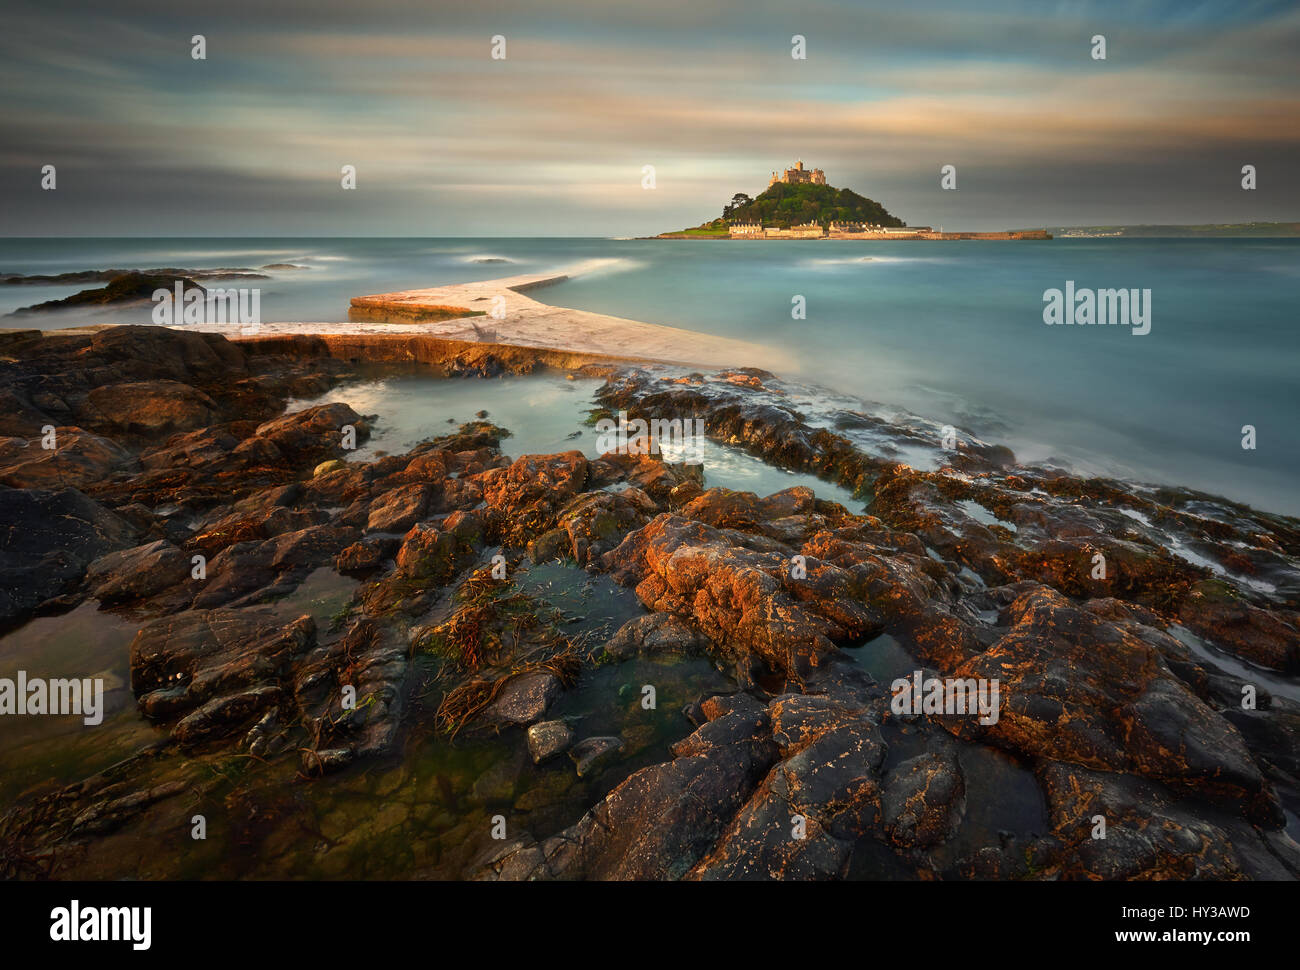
(1274, 682)
(951, 330)
(83, 642)
(545, 414)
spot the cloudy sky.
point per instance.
(552, 140)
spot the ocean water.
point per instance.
(950, 330)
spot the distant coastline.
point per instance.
(1222, 230)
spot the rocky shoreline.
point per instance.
(1122, 690)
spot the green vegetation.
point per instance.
(718, 227)
(783, 206)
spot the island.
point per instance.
(799, 204)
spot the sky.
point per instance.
(553, 139)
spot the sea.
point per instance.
(952, 331)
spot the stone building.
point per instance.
(799, 176)
(809, 230)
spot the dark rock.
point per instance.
(548, 739)
(590, 755)
(524, 699)
(47, 538)
(138, 573)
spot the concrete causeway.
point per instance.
(499, 312)
(522, 321)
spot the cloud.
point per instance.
(553, 138)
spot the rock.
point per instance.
(138, 573)
(398, 510)
(550, 546)
(524, 699)
(150, 408)
(595, 523)
(224, 665)
(497, 784)
(1147, 837)
(1078, 687)
(659, 822)
(738, 597)
(123, 289)
(527, 496)
(923, 800)
(651, 635)
(590, 755)
(1216, 613)
(307, 438)
(78, 458)
(47, 538)
(548, 739)
(223, 715)
(364, 557)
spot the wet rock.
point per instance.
(48, 538)
(78, 458)
(325, 467)
(224, 715)
(720, 705)
(1147, 836)
(1075, 687)
(590, 755)
(266, 523)
(738, 598)
(223, 665)
(524, 699)
(138, 573)
(548, 739)
(799, 719)
(550, 546)
(398, 510)
(1215, 612)
(316, 434)
(350, 695)
(436, 551)
(266, 738)
(923, 800)
(253, 567)
(651, 635)
(109, 814)
(149, 408)
(497, 784)
(596, 522)
(526, 497)
(804, 818)
(655, 825)
(364, 557)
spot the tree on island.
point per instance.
(784, 205)
(737, 201)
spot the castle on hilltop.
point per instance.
(799, 176)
